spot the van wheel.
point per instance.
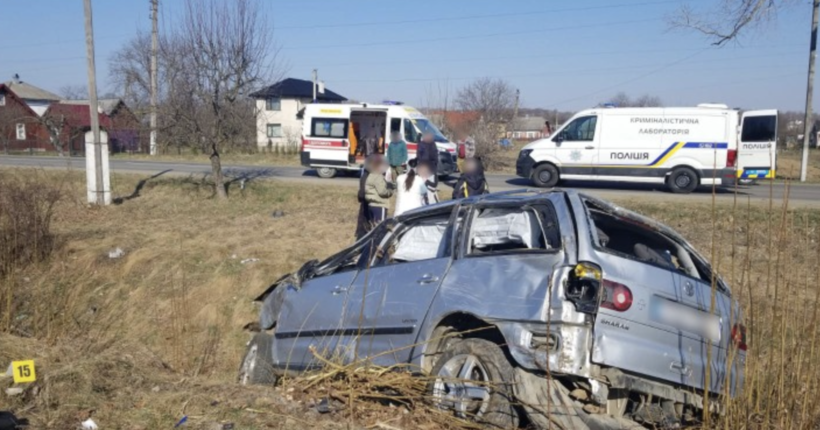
(683, 180)
(546, 175)
(257, 366)
(473, 380)
(326, 172)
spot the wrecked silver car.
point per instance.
(554, 305)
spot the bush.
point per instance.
(26, 210)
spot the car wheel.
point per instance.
(473, 380)
(546, 175)
(326, 172)
(257, 366)
(683, 180)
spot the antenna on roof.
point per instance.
(16, 78)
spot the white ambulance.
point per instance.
(681, 148)
(333, 134)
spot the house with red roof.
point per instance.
(73, 121)
(21, 128)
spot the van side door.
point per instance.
(576, 147)
(756, 152)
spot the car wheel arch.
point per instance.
(461, 325)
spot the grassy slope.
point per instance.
(158, 333)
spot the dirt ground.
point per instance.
(142, 340)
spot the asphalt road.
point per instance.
(805, 195)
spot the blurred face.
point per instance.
(470, 166)
(395, 137)
(423, 171)
(428, 138)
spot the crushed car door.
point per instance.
(388, 301)
(643, 325)
(312, 316)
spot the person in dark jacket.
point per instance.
(427, 152)
(472, 181)
(363, 222)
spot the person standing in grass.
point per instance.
(363, 223)
(427, 153)
(377, 191)
(410, 191)
(396, 155)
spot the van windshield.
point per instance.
(425, 126)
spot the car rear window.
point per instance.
(329, 127)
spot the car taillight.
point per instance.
(731, 157)
(304, 142)
(739, 336)
(617, 297)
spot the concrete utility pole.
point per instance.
(154, 48)
(315, 78)
(809, 122)
(96, 154)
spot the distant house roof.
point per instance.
(107, 106)
(6, 91)
(292, 88)
(30, 92)
(528, 123)
(77, 115)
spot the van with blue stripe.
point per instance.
(681, 148)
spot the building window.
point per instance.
(274, 130)
(273, 103)
(2, 99)
(21, 131)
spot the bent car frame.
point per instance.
(554, 304)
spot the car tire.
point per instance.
(546, 175)
(326, 172)
(257, 365)
(475, 360)
(683, 180)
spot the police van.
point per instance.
(333, 135)
(681, 148)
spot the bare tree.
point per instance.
(623, 100)
(494, 102)
(74, 92)
(208, 65)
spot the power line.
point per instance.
(471, 17)
(562, 72)
(549, 55)
(474, 36)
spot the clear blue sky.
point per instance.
(560, 54)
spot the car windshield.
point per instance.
(425, 126)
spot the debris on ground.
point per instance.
(249, 260)
(89, 424)
(181, 422)
(277, 214)
(116, 253)
(14, 391)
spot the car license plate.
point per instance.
(685, 318)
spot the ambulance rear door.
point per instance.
(327, 139)
(756, 152)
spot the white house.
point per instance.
(281, 105)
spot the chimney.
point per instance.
(17, 78)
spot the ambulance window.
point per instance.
(410, 132)
(329, 127)
(580, 130)
(759, 128)
(395, 125)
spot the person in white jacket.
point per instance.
(410, 192)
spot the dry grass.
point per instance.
(157, 334)
(253, 159)
(789, 161)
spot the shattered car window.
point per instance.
(506, 230)
(423, 240)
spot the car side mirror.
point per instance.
(558, 139)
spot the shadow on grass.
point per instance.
(138, 188)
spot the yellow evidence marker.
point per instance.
(23, 371)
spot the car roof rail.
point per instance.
(516, 191)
